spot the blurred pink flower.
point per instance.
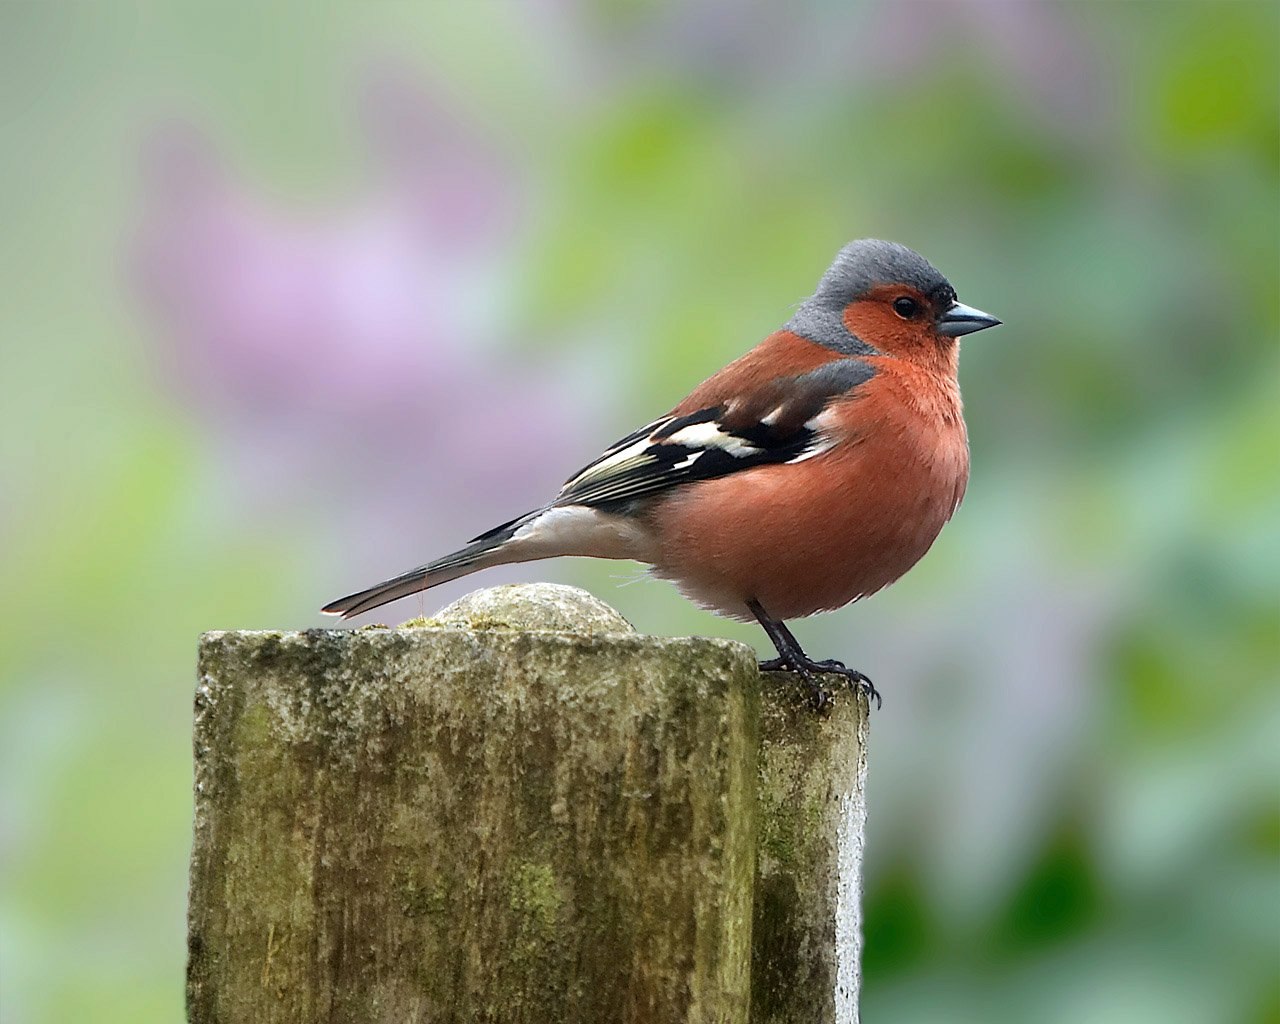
(358, 355)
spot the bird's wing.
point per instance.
(778, 422)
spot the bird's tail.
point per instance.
(484, 551)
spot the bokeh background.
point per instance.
(296, 297)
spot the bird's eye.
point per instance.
(906, 307)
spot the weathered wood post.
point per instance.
(520, 812)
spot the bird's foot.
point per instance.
(808, 670)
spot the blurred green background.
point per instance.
(296, 298)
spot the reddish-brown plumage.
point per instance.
(815, 536)
(757, 369)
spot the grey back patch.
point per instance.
(826, 327)
(839, 376)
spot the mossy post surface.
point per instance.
(807, 935)
(518, 811)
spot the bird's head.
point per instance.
(881, 298)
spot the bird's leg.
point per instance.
(791, 658)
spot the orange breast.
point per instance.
(815, 535)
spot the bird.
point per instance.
(809, 473)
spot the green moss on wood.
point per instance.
(536, 897)
(451, 823)
(807, 764)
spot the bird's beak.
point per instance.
(961, 319)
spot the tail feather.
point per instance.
(481, 553)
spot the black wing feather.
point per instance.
(774, 425)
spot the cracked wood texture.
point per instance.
(519, 811)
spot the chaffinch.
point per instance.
(811, 472)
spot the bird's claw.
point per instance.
(856, 679)
(819, 696)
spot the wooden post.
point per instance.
(521, 811)
(807, 935)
